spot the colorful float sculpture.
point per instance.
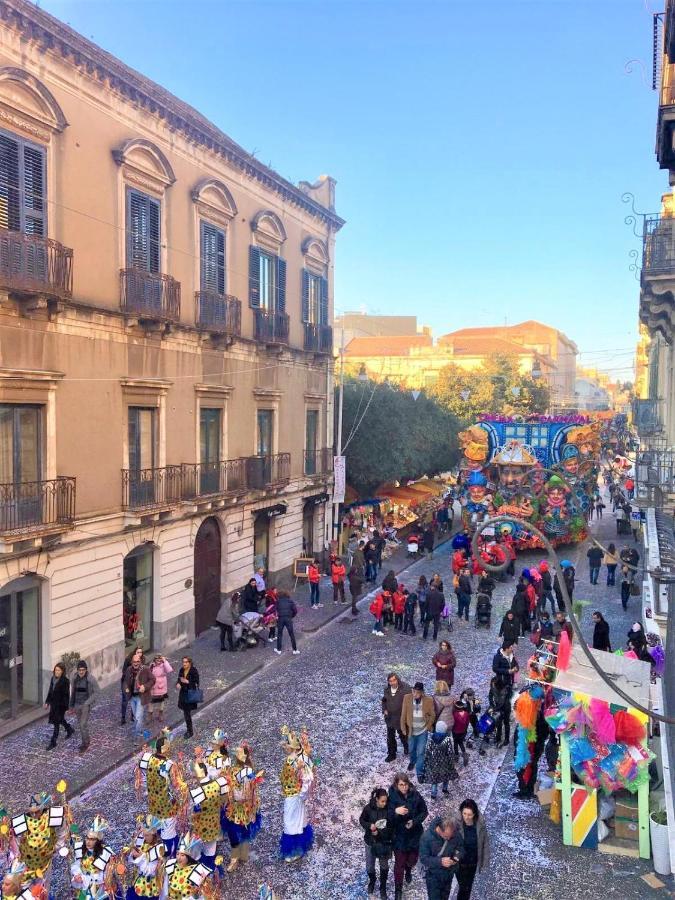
(542, 469)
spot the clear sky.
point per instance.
(481, 147)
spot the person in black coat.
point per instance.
(409, 811)
(520, 607)
(601, 633)
(428, 541)
(434, 608)
(510, 628)
(286, 612)
(251, 597)
(390, 582)
(57, 702)
(377, 821)
(188, 680)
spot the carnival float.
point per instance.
(542, 469)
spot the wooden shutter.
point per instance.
(254, 277)
(143, 232)
(305, 295)
(323, 301)
(22, 186)
(281, 284)
(212, 276)
(34, 191)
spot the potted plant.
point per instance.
(658, 830)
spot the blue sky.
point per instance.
(481, 148)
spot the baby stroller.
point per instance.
(483, 610)
(413, 546)
(252, 628)
(486, 727)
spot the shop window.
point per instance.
(20, 686)
(137, 602)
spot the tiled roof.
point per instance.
(391, 345)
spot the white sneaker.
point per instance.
(271, 640)
(277, 651)
(296, 653)
(320, 605)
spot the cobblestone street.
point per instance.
(334, 688)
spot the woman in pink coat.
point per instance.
(161, 668)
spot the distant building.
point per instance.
(357, 325)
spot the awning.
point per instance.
(279, 509)
(317, 499)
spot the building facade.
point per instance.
(166, 372)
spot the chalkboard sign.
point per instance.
(301, 565)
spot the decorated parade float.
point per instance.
(542, 469)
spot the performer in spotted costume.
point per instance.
(242, 815)
(37, 832)
(16, 885)
(167, 790)
(208, 799)
(145, 861)
(184, 877)
(92, 862)
(218, 757)
(297, 779)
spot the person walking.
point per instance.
(601, 632)
(547, 587)
(379, 543)
(510, 628)
(560, 624)
(435, 603)
(443, 703)
(445, 662)
(392, 706)
(137, 683)
(625, 586)
(505, 663)
(519, 607)
(471, 828)
(464, 590)
(409, 613)
(160, 669)
(410, 811)
(225, 619)
(314, 578)
(83, 691)
(441, 852)
(376, 609)
(355, 579)
(595, 556)
(359, 558)
(418, 716)
(461, 719)
(338, 574)
(499, 706)
(137, 651)
(611, 560)
(439, 760)
(398, 607)
(188, 692)
(370, 555)
(286, 612)
(57, 702)
(377, 821)
(428, 541)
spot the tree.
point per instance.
(496, 387)
(390, 436)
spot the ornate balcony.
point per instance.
(319, 462)
(271, 327)
(219, 314)
(147, 489)
(318, 338)
(29, 508)
(35, 265)
(657, 282)
(150, 295)
(222, 478)
(268, 471)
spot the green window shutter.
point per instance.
(212, 259)
(281, 284)
(305, 295)
(323, 302)
(143, 232)
(254, 277)
(22, 186)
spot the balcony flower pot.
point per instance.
(658, 830)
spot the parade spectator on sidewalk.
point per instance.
(443, 703)
(434, 608)
(560, 624)
(422, 591)
(286, 612)
(398, 607)
(439, 760)
(499, 705)
(379, 544)
(338, 574)
(259, 578)
(461, 720)
(630, 558)
(464, 590)
(611, 560)
(510, 628)
(428, 541)
(418, 716)
(359, 558)
(547, 588)
(187, 684)
(392, 707)
(410, 811)
(377, 821)
(370, 554)
(314, 577)
(226, 618)
(137, 651)
(251, 598)
(441, 851)
(83, 691)
(601, 633)
(625, 586)
(409, 613)
(505, 663)
(445, 661)
(355, 579)
(160, 669)
(57, 702)
(595, 556)
(519, 607)
(472, 830)
(376, 609)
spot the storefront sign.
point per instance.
(317, 499)
(279, 509)
(340, 483)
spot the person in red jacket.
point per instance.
(376, 609)
(531, 598)
(337, 576)
(458, 561)
(461, 719)
(510, 549)
(398, 606)
(314, 575)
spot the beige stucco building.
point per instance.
(165, 360)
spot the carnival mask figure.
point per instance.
(474, 444)
(514, 463)
(476, 501)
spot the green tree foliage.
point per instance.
(390, 436)
(496, 387)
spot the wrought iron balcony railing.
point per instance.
(266, 471)
(647, 416)
(318, 338)
(271, 327)
(226, 476)
(35, 265)
(219, 314)
(150, 295)
(148, 488)
(319, 462)
(658, 246)
(34, 506)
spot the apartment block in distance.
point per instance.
(166, 369)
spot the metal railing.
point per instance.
(319, 462)
(265, 471)
(150, 295)
(318, 338)
(646, 416)
(271, 327)
(218, 313)
(29, 506)
(35, 265)
(655, 475)
(147, 488)
(226, 476)
(658, 245)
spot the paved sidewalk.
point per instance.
(112, 743)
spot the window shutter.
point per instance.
(212, 275)
(281, 284)
(254, 277)
(305, 295)
(143, 232)
(22, 187)
(34, 191)
(323, 302)
(153, 236)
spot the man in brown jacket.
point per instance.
(418, 716)
(392, 704)
(137, 683)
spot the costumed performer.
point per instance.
(218, 757)
(145, 860)
(167, 789)
(184, 877)
(242, 814)
(208, 800)
(15, 884)
(37, 832)
(93, 862)
(297, 778)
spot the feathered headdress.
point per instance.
(150, 822)
(17, 867)
(98, 826)
(40, 800)
(220, 737)
(190, 845)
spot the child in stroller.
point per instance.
(252, 628)
(483, 610)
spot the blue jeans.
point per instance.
(125, 701)
(137, 710)
(434, 789)
(547, 595)
(417, 746)
(313, 593)
(463, 604)
(371, 571)
(595, 571)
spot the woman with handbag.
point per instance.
(190, 694)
